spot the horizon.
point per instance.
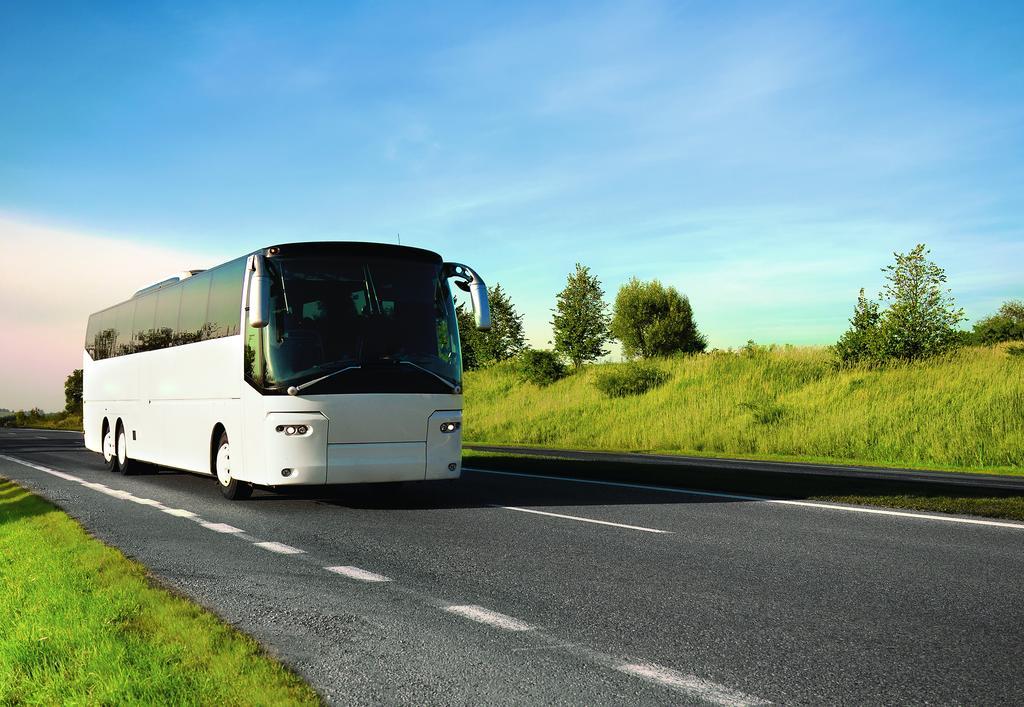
(766, 162)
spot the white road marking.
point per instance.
(220, 527)
(491, 618)
(280, 548)
(585, 520)
(146, 502)
(54, 472)
(762, 499)
(180, 512)
(691, 685)
(360, 574)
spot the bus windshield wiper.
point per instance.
(451, 384)
(296, 389)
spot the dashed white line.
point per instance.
(360, 574)
(762, 499)
(179, 512)
(280, 548)
(584, 520)
(220, 527)
(491, 618)
(702, 689)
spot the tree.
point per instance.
(920, 320)
(73, 392)
(653, 320)
(504, 340)
(469, 337)
(860, 341)
(1005, 325)
(581, 318)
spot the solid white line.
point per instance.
(54, 472)
(701, 689)
(762, 499)
(360, 574)
(491, 618)
(280, 548)
(585, 520)
(220, 527)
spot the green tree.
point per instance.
(922, 317)
(503, 341)
(505, 338)
(653, 320)
(469, 337)
(73, 392)
(859, 343)
(1005, 325)
(581, 318)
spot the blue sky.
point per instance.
(764, 158)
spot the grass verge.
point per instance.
(83, 624)
(935, 498)
(963, 412)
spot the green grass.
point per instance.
(964, 411)
(49, 421)
(79, 623)
(934, 498)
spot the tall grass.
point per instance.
(964, 410)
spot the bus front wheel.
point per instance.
(231, 487)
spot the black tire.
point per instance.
(230, 487)
(128, 466)
(108, 449)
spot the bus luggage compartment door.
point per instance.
(376, 462)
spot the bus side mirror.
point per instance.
(467, 280)
(259, 293)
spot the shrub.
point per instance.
(1015, 350)
(540, 367)
(653, 320)
(631, 379)
(1005, 325)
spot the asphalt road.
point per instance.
(517, 589)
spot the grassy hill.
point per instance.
(963, 411)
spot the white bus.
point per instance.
(305, 363)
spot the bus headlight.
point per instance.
(450, 426)
(292, 430)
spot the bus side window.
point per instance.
(125, 315)
(167, 303)
(225, 299)
(192, 324)
(90, 335)
(142, 325)
(106, 334)
(253, 360)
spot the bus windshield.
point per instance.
(383, 324)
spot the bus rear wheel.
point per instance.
(231, 487)
(127, 465)
(110, 449)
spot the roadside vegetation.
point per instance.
(904, 386)
(963, 410)
(84, 625)
(70, 418)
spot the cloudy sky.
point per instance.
(764, 158)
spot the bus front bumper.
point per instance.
(309, 459)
